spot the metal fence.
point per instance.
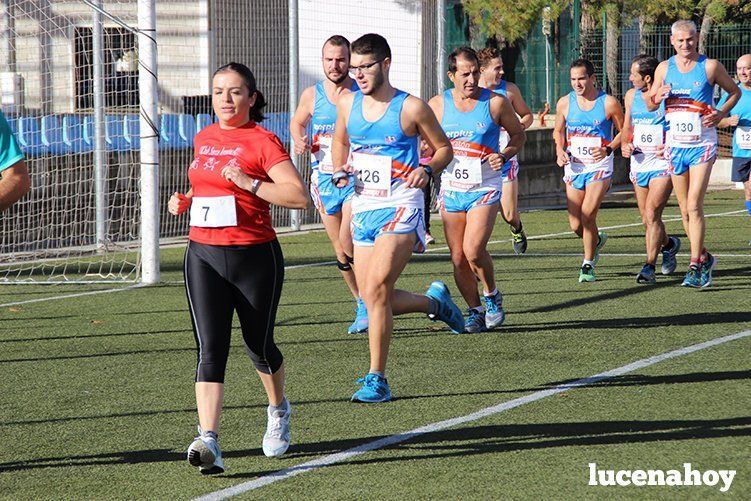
(724, 42)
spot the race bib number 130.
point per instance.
(685, 126)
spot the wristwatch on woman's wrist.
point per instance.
(255, 185)
(428, 169)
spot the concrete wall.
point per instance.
(540, 178)
(44, 49)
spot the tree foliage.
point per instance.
(512, 21)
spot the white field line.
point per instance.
(343, 456)
(326, 263)
(574, 254)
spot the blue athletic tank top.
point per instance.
(581, 129)
(501, 88)
(691, 96)
(473, 134)
(322, 123)
(742, 134)
(383, 138)
(649, 128)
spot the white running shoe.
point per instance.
(206, 454)
(277, 437)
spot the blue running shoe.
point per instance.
(669, 262)
(374, 389)
(706, 270)
(646, 275)
(603, 237)
(447, 311)
(475, 322)
(360, 324)
(693, 277)
(494, 314)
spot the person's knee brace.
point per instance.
(347, 266)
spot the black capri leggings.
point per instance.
(222, 279)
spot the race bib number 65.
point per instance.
(372, 175)
(213, 212)
(464, 173)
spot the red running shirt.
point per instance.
(255, 150)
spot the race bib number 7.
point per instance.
(583, 148)
(743, 137)
(372, 175)
(685, 126)
(213, 212)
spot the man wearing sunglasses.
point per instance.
(376, 136)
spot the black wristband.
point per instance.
(608, 150)
(503, 157)
(428, 169)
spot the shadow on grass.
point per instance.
(499, 439)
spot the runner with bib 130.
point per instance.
(685, 82)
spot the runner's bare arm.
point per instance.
(627, 132)
(717, 74)
(520, 106)
(504, 115)
(299, 124)
(340, 143)
(559, 131)
(430, 130)
(659, 90)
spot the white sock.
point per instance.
(490, 294)
(587, 261)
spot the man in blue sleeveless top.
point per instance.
(740, 118)
(686, 82)
(376, 136)
(584, 144)
(14, 176)
(491, 77)
(472, 118)
(317, 109)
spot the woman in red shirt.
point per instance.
(234, 261)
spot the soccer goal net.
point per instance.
(70, 94)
